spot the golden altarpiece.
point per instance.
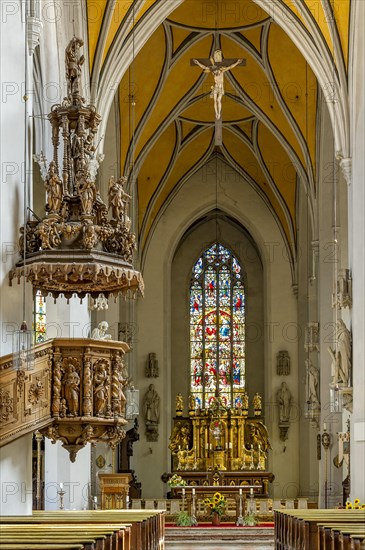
(220, 447)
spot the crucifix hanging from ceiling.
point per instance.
(217, 66)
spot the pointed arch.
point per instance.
(217, 328)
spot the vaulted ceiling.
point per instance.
(269, 111)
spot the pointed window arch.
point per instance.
(217, 328)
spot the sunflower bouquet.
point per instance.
(176, 481)
(356, 505)
(216, 504)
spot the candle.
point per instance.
(95, 499)
(61, 485)
(251, 447)
(211, 446)
(127, 499)
(206, 446)
(251, 491)
(183, 491)
(230, 444)
(179, 447)
(324, 427)
(193, 491)
(240, 491)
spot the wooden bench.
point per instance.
(298, 529)
(147, 526)
(91, 537)
(136, 529)
(357, 542)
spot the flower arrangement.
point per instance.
(216, 503)
(176, 481)
(356, 505)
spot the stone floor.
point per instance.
(219, 538)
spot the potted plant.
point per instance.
(183, 519)
(250, 519)
(216, 506)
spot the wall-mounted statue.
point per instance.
(312, 385)
(341, 355)
(152, 370)
(284, 401)
(283, 363)
(99, 333)
(151, 411)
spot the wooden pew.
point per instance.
(141, 529)
(357, 542)
(97, 537)
(298, 529)
(147, 526)
(91, 537)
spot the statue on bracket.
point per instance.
(312, 389)
(151, 411)
(341, 355)
(284, 401)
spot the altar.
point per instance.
(219, 449)
(227, 482)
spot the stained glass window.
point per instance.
(217, 328)
(39, 318)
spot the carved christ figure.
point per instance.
(217, 69)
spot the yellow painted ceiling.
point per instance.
(269, 109)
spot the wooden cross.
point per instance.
(217, 66)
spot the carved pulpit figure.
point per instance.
(217, 66)
(74, 61)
